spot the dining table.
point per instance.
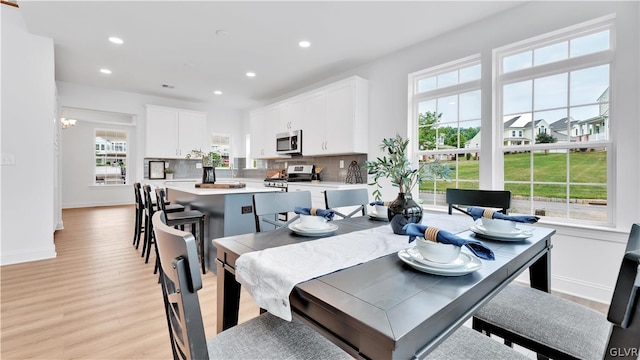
(384, 308)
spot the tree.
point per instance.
(544, 138)
(427, 123)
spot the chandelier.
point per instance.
(67, 123)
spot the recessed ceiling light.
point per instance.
(221, 32)
(251, 74)
(116, 40)
(304, 44)
(218, 92)
(105, 71)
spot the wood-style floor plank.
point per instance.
(97, 299)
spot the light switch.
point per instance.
(8, 159)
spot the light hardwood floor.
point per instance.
(96, 300)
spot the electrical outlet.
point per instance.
(199, 165)
(341, 164)
(247, 209)
(8, 159)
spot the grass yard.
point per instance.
(587, 171)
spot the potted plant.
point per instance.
(396, 166)
(210, 160)
(169, 173)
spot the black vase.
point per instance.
(404, 210)
(208, 175)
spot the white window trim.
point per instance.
(585, 61)
(115, 127)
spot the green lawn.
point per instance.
(584, 167)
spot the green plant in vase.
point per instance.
(396, 166)
(210, 160)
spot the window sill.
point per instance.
(111, 186)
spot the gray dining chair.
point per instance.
(265, 336)
(557, 328)
(499, 199)
(271, 209)
(334, 199)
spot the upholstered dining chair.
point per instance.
(269, 207)
(557, 328)
(499, 199)
(265, 336)
(348, 197)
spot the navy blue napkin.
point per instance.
(327, 214)
(383, 203)
(477, 212)
(445, 237)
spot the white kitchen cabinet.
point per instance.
(338, 123)
(313, 129)
(173, 133)
(290, 116)
(264, 125)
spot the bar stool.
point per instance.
(141, 210)
(190, 217)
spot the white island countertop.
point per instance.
(190, 188)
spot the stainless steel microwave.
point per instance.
(289, 143)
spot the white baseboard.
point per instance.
(16, 257)
(94, 204)
(584, 289)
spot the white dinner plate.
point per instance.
(517, 235)
(375, 216)
(297, 228)
(474, 265)
(462, 260)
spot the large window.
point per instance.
(550, 124)
(553, 103)
(446, 116)
(111, 149)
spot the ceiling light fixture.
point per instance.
(67, 123)
(116, 40)
(218, 92)
(304, 44)
(251, 74)
(105, 71)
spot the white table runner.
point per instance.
(270, 275)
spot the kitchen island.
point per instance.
(227, 211)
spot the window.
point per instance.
(445, 118)
(111, 150)
(221, 143)
(558, 89)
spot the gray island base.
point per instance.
(227, 211)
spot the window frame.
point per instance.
(605, 57)
(127, 156)
(416, 97)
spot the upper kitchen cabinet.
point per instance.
(173, 133)
(339, 123)
(290, 116)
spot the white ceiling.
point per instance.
(175, 42)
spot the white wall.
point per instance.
(585, 261)
(27, 132)
(77, 142)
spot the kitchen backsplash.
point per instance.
(331, 170)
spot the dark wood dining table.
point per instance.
(383, 308)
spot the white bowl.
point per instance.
(437, 252)
(381, 210)
(312, 221)
(499, 225)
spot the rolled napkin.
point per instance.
(445, 237)
(477, 213)
(381, 203)
(327, 214)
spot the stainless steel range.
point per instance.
(295, 173)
